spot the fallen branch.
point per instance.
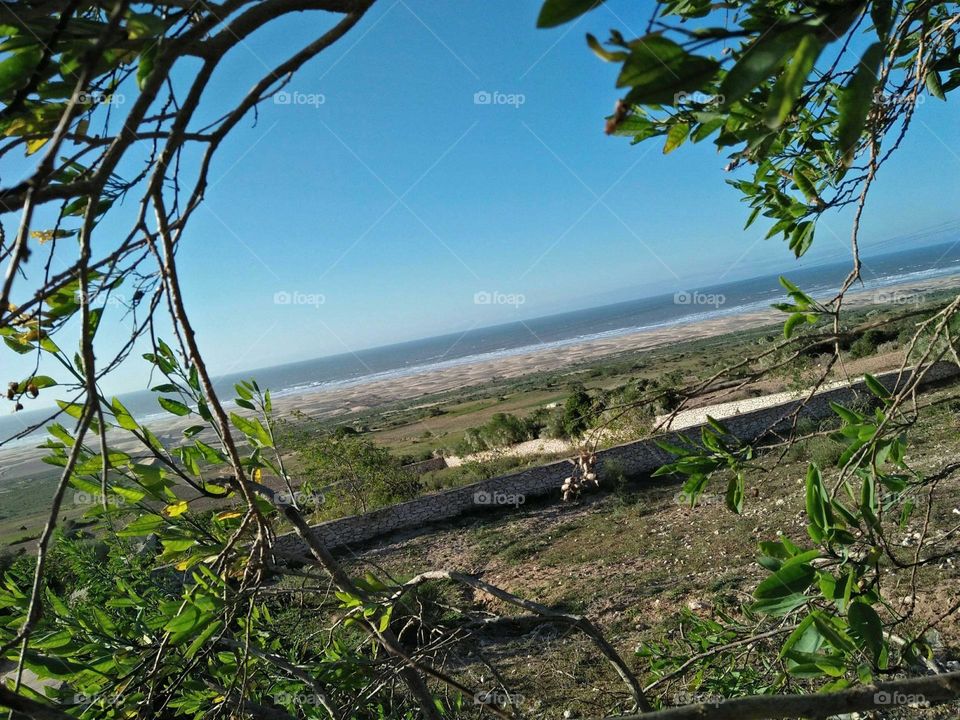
(578, 621)
(930, 689)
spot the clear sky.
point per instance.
(389, 190)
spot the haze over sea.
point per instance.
(647, 313)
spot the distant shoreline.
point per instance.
(366, 393)
(330, 402)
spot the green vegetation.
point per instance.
(833, 565)
(343, 473)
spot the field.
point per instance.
(645, 569)
(661, 580)
(420, 427)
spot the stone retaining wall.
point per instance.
(425, 466)
(634, 458)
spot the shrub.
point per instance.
(355, 475)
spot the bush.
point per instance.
(501, 430)
(868, 343)
(824, 451)
(355, 475)
(580, 412)
(821, 450)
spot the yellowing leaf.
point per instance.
(675, 137)
(257, 474)
(176, 510)
(227, 515)
(34, 145)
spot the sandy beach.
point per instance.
(345, 400)
(330, 402)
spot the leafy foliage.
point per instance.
(803, 94)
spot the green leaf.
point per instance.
(802, 237)
(866, 628)
(881, 12)
(758, 62)
(934, 86)
(856, 99)
(74, 410)
(676, 137)
(203, 637)
(795, 636)
(21, 348)
(876, 387)
(805, 185)
(790, 325)
(658, 71)
(833, 629)
(123, 416)
(16, 70)
(734, 497)
(819, 509)
(558, 12)
(779, 607)
(145, 67)
(791, 82)
(143, 525)
(791, 579)
(190, 619)
(41, 382)
(847, 415)
(601, 52)
(173, 406)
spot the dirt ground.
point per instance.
(639, 564)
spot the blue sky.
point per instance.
(385, 190)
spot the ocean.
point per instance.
(684, 306)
